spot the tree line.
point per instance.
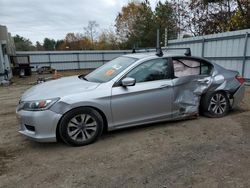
(136, 23)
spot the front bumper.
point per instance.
(38, 125)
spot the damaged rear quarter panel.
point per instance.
(189, 89)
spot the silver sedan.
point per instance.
(130, 90)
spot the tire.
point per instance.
(81, 126)
(215, 105)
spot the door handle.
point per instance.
(203, 81)
(165, 86)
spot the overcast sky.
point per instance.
(37, 19)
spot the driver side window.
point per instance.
(156, 69)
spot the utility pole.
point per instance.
(158, 45)
(166, 37)
(179, 20)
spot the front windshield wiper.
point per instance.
(83, 77)
(91, 79)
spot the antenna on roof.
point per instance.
(158, 46)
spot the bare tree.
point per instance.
(91, 31)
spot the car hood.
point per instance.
(58, 88)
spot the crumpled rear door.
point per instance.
(187, 93)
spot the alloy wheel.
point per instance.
(218, 104)
(82, 127)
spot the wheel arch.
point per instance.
(105, 121)
(227, 93)
(203, 99)
(220, 90)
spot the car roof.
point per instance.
(150, 54)
(146, 55)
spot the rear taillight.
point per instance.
(240, 79)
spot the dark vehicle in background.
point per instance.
(45, 70)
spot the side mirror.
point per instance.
(128, 81)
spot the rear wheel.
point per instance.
(81, 126)
(215, 104)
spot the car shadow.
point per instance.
(128, 130)
(239, 110)
(106, 135)
(47, 145)
(145, 127)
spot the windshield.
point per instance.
(109, 70)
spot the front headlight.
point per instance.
(37, 105)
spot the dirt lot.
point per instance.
(201, 152)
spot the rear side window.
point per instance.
(187, 67)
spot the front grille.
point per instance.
(30, 128)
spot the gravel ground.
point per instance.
(201, 152)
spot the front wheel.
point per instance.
(81, 126)
(215, 104)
